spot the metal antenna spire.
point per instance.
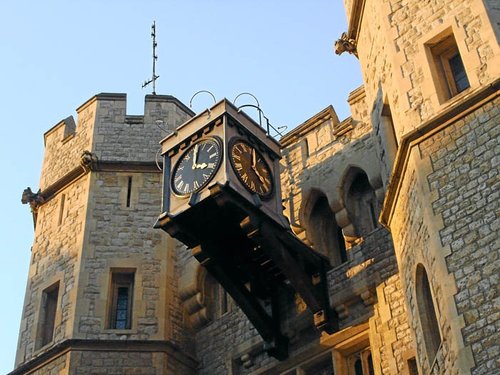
(155, 57)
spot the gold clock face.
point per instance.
(196, 167)
(251, 168)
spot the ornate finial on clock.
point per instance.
(154, 77)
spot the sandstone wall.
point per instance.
(447, 220)
(394, 61)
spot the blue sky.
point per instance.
(58, 54)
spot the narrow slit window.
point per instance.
(61, 209)
(129, 190)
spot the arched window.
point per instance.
(361, 203)
(427, 314)
(324, 233)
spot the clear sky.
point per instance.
(57, 54)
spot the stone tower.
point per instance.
(100, 294)
(431, 76)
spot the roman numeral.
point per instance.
(196, 185)
(211, 165)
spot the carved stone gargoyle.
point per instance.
(346, 44)
(33, 199)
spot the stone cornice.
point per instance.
(468, 104)
(88, 162)
(108, 346)
(100, 166)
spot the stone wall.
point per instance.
(129, 241)
(392, 52)
(55, 258)
(446, 219)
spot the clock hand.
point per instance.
(201, 166)
(254, 166)
(195, 156)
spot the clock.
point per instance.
(251, 168)
(196, 167)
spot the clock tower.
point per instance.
(222, 199)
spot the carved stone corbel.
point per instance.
(346, 44)
(88, 161)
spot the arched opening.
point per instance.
(361, 202)
(427, 313)
(324, 233)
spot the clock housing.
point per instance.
(225, 123)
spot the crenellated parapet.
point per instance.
(104, 129)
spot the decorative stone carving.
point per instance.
(34, 199)
(88, 160)
(346, 44)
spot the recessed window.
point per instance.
(122, 289)
(48, 311)
(427, 313)
(447, 66)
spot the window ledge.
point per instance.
(456, 98)
(120, 331)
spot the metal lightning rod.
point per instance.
(155, 57)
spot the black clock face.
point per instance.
(251, 169)
(196, 167)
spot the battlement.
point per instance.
(103, 128)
